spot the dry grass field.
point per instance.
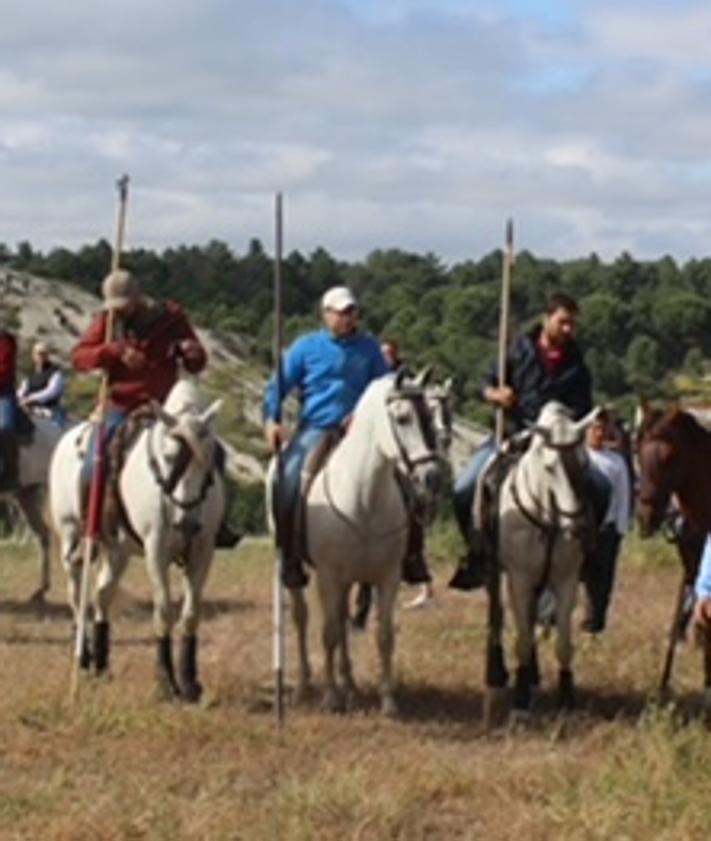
(119, 766)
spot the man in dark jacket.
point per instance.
(545, 364)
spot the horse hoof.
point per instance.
(388, 707)
(38, 598)
(191, 692)
(304, 694)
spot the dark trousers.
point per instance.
(599, 575)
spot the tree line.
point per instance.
(642, 323)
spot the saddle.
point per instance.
(295, 537)
(113, 510)
(485, 507)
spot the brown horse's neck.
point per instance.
(694, 487)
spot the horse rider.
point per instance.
(44, 387)
(543, 364)
(9, 455)
(600, 563)
(142, 356)
(330, 368)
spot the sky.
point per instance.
(414, 124)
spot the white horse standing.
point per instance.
(173, 500)
(542, 522)
(34, 456)
(357, 524)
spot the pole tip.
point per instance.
(509, 231)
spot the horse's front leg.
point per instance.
(112, 568)
(345, 663)
(332, 597)
(387, 592)
(522, 599)
(195, 574)
(565, 587)
(300, 617)
(158, 572)
(32, 504)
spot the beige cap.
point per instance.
(338, 298)
(119, 288)
(40, 347)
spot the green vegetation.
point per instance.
(642, 323)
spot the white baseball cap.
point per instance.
(338, 298)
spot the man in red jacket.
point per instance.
(141, 357)
(8, 412)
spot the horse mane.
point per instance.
(675, 422)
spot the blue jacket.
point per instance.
(330, 373)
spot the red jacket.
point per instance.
(8, 359)
(156, 330)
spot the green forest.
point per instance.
(645, 326)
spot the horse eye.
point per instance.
(403, 418)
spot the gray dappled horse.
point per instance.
(358, 522)
(173, 500)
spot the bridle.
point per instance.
(168, 483)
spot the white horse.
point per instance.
(34, 457)
(543, 517)
(357, 523)
(173, 500)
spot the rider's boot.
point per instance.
(471, 572)
(10, 457)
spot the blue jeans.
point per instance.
(466, 484)
(8, 412)
(304, 442)
(113, 420)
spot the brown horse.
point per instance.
(674, 453)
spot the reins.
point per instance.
(168, 483)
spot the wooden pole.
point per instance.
(98, 471)
(496, 674)
(278, 596)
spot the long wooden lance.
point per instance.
(278, 594)
(98, 467)
(496, 674)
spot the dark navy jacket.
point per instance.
(534, 387)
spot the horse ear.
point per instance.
(591, 417)
(400, 376)
(447, 385)
(162, 415)
(211, 410)
(423, 377)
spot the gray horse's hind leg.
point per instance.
(333, 598)
(31, 502)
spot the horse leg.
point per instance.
(331, 596)
(162, 620)
(111, 570)
(194, 576)
(31, 502)
(69, 549)
(387, 592)
(300, 616)
(345, 663)
(523, 602)
(565, 590)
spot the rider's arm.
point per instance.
(292, 376)
(52, 391)
(93, 351)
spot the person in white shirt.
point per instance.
(44, 387)
(601, 562)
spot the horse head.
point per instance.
(558, 456)
(182, 446)
(660, 454)
(438, 397)
(406, 433)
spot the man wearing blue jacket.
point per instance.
(330, 368)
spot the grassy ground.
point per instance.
(117, 764)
